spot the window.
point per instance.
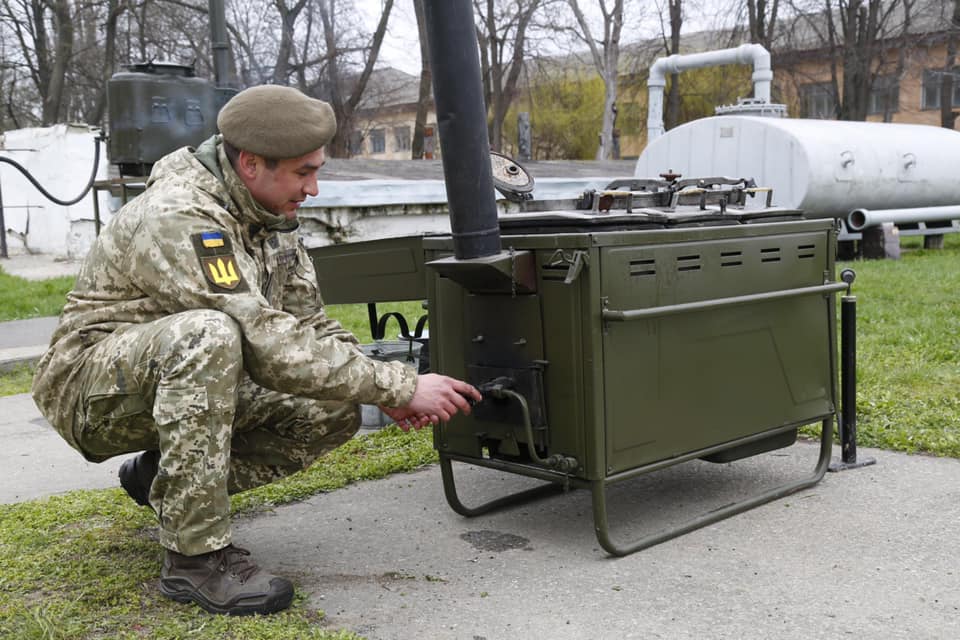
(884, 95)
(817, 100)
(378, 141)
(402, 135)
(930, 98)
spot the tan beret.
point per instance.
(276, 122)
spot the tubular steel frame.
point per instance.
(598, 488)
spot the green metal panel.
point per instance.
(374, 271)
(705, 377)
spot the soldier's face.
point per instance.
(282, 189)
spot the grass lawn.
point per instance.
(21, 298)
(908, 350)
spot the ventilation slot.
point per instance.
(806, 251)
(556, 272)
(771, 254)
(643, 267)
(688, 263)
(730, 258)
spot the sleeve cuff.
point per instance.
(396, 383)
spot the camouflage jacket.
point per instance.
(196, 239)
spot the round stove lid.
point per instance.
(510, 178)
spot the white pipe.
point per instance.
(860, 219)
(744, 54)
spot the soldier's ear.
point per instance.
(248, 165)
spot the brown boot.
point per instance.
(224, 581)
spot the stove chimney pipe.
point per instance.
(462, 124)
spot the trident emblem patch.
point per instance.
(217, 262)
(221, 271)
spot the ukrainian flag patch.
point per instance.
(211, 239)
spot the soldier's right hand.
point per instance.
(441, 397)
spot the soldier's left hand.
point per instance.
(407, 419)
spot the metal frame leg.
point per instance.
(450, 491)
(598, 489)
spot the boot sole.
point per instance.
(272, 603)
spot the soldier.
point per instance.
(196, 334)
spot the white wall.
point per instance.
(60, 158)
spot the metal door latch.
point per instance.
(576, 261)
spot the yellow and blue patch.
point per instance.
(211, 239)
(217, 262)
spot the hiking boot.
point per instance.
(224, 581)
(137, 474)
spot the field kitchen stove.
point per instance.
(650, 324)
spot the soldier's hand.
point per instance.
(441, 397)
(405, 418)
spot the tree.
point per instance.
(565, 115)
(423, 95)
(948, 78)
(44, 29)
(502, 32)
(605, 54)
(762, 21)
(857, 37)
(671, 46)
(344, 97)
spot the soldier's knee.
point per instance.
(218, 330)
(209, 331)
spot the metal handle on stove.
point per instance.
(626, 315)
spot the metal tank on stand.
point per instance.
(155, 108)
(877, 179)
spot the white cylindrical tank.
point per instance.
(826, 168)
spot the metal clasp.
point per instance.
(576, 261)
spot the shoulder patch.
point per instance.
(217, 262)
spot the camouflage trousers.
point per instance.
(178, 385)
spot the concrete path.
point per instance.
(868, 553)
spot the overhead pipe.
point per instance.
(744, 54)
(860, 219)
(462, 125)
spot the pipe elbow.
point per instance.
(658, 73)
(756, 54)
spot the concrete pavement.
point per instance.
(867, 553)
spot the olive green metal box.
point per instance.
(633, 350)
(606, 354)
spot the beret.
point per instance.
(276, 122)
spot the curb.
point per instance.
(17, 357)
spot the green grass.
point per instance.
(21, 298)
(908, 350)
(84, 565)
(16, 381)
(354, 317)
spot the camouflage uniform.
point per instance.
(196, 328)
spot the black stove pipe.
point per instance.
(219, 44)
(462, 124)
